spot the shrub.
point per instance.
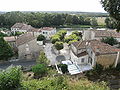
(42, 59)
(63, 67)
(10, 78)
(41, 37)
(39, 69)
(59, 45)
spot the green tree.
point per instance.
(64, 68)
(5, 50)
(79, 34)
(68, 19)
(39, 69)
(94, 23)
(62, 34)
(41, 37)
(3, 35)
(113, 8)
(110, 23)
(59, 45)
(42, 59)
(75, 20)
(55, 38)
(10, 78)
(110, 40)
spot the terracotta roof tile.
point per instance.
(97, 46)
(24, 39)
(107, 33)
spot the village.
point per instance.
(60, 45)
(80, 51)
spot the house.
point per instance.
(99, 34)
(21, 27)
(48, 32)
(11, 40)
(27, 47)
(92, 52)
(7, 32)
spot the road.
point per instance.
(24, 63)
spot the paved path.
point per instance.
(23, 63)
(50, 55)
(53, 57)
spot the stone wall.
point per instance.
(29, 50)
(106, 60)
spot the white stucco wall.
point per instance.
(78, 60)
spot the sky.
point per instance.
(51, 5)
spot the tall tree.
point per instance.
(5, 50)
(113, 8)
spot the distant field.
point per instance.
(101, 21)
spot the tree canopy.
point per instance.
(110, 40)
(59, 45)
(41, 37)
(113, 8)
(5, 50)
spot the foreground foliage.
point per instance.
(5, 50)
(10, 78)
(62, 83)
(39, 69)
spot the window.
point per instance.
(82, 60)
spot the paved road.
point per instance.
(50, 55)
(53, 57)
(23, 63)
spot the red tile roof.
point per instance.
(22, 26)
(24, 39)
(97, 46)
(107, 33)
(10, 39)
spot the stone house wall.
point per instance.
(106, 60)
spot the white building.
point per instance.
(48, 32)
(21, 27)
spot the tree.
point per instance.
(64, 67)
(75, 20)
(41, 37)
(113, 8)
(39, 69)
(94, 23)
(110, 40)
(62, 34)
(3, 35)
(55, 38)
(79, 34)
(110, 23)
(5, 50)
(10, 78)
(71, 38)
(68, 19)
(59, 45)
(42, 59)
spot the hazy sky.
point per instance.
(51, 5)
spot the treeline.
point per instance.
(37, 19)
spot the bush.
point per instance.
(41, 37)
(59, 45)
(42, 59)
(10, 78)
(63, 67)
(39, 69)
